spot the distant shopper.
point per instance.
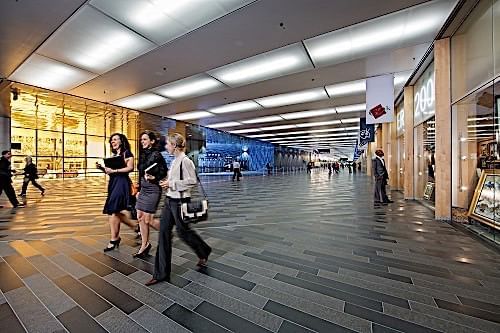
(236, 170)
(30, 175)
(152, 168)
(269, 168)
(381, 177)
(119, 184)
(6, 179)
(178, 190)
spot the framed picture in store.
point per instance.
(429, 191)
(485, 205)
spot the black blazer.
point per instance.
(30, 171)
(147, 158)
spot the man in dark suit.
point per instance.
(381, 177)
(6, 179)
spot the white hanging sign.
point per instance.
(380, 99)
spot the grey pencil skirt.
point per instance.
(148, 198)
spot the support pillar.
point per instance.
(408, 137)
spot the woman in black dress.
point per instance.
(118, 198)
(177, 189)
(149, 188)
(30, 175)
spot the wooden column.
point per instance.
(392, 152)
(369, 152)
(408, 137)
(443, 129)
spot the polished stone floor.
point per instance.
(292, 253)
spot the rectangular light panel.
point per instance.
(262, 120)
(193, 86)
(141, 101)
(92, 41)
(279, 62)
(303, 96)
(308, 114)
(50, 74)
(225, 124)
(191, 115)
(236, 107)
(347, 88)
(248, 130)
(351, 108)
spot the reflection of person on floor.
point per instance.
(6, 179)
(236, 170)
(118, 198)
(30, 175)
(149, 189)
(381, 176)
(177, 189)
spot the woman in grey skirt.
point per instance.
(152, 169)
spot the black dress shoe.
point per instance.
(113, 244)
(144, 253)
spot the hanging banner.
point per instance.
(380, 99)
(366, 133)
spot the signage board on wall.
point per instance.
(380, 99)
(400, 122)
(424, 99)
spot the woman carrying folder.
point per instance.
(117, 201)
(152, 168)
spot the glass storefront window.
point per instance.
(424, 161)
(50, 143)
(74, 145)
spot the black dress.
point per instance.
(118, 190)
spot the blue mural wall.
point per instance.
(220, 149)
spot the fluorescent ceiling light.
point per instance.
(261, 135)
(303, 96)
(248, 130)
(165, 20)
(347, 88)
(141, 101)
(307, 114)
(351, 108)
(319, 123)
(236, 107)
(225, 124)
(279, 62)
(93, 41)
(189, 87)
(262, 120)
(191, 115)
(415, 25)
(275, 128)
(334, 135)
(350, 120)
(50, 74)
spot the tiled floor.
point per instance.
(292, 253)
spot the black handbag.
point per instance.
(194, 210)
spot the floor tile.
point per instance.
(78, 321)
(192, 321)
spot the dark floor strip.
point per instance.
(227, 319)
(303, 319)
(288, 327)
(376, 328)
(8, 278)
(82, 295)
(8, 320)
(192, 321)
(480, 305)
(117, 265)
(332, 292)
(93, 265)
(385, 320)
(115, 296)
(228, 278)
(469, 310)
(285, 263)
(77, 321)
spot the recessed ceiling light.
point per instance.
(279, 62)
(189, 87)
(319, 123)
(141, 101)
(50, 74)
(191, 115)
(303, 96)
(225, 124)
(347, 88)
(262, 120)
(276, 128)
(236, 107)
(307, 114)
(351, 108)
(248, 130)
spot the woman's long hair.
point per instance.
(125, 145)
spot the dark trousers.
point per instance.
(236, 174)
(33, 181)
(380, 194)
(6, 185)
(170, 216)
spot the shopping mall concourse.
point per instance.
(341, 159)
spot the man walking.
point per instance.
(6, 179)
(236, 170)
(381, 177)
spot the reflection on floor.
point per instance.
(292, 253)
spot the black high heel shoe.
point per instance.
(143, 254)
(114, 243)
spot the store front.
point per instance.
(475, 68)
(400, 142)
(424, 136)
